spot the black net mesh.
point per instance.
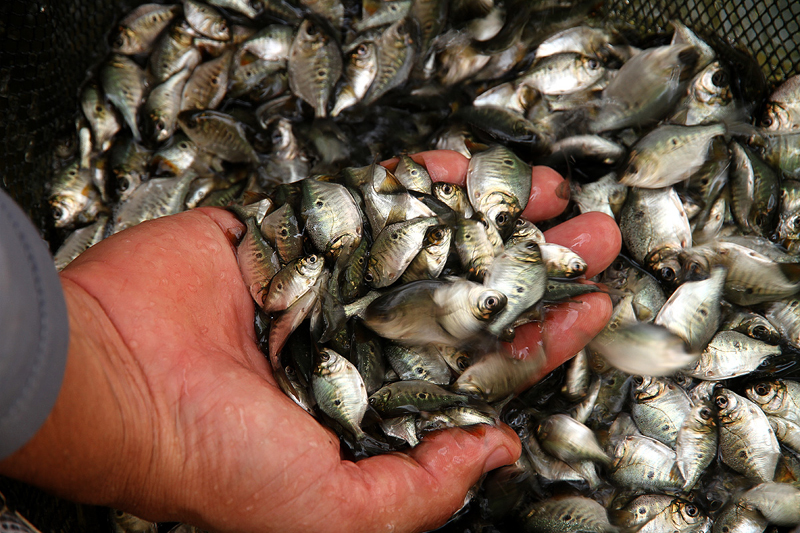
(47, 47)
(766, 29)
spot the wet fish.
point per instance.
(567, 514)
(731, 354)
(124, 84)
(362, 66)
(659, 408)
(315, 64)
(139, 29)
(340, 391)
(746, 441)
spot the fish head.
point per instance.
(777, 118)
(666, 266)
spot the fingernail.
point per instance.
(499, 457)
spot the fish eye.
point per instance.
(575, 265)
(324, 356)
(767, 121)
(760, 332)
(462, 363)
(667, 274)
(796, 223)
(762, 389)
(58, 213)
(502, 219)
(369, 277)
(372, 400)
(361, 50)
(593, 64)
(312, 259)
(491, 302)
(447, 189)
(124, 183)
(760, 219)
(438, 234)
(720, 78)
(638, 380)
(160, 125)
(692, 510)
(289, 371)
(192, 123)
(705, 413)
(183, 145)
(617, 265)
(722, 402)
(311, 30)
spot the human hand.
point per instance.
(169, 410)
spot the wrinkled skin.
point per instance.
(169, 410)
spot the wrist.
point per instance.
(91, 447)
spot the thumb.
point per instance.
(420, 490)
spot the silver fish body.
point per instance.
(206, 20)
(394, 249)
(315, 64)
(660, 408)
(360, 72)
(499, 186)
(206, 87)
(340, 391)
(569, 440)
(124, 85)
(163, 105)
(646, 87)
(645, 463)
(520, 274)
(747, 443)
(79, 241)
(567, 514)
(693, 311)
(655, 228)
(778, 502)
(219, 134)
(696, 445)
(668, 155)
(395, 58)
(731, 354)
(292, 282)
(141, 27)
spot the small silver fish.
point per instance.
(747, 443)
(340, 391)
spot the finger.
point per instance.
(230, 225)
(442, 165)
(594, 236)
(567, 329)
(420, 490)
(545, 202)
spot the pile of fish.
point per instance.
(383, 299)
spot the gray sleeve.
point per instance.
(34, 329)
